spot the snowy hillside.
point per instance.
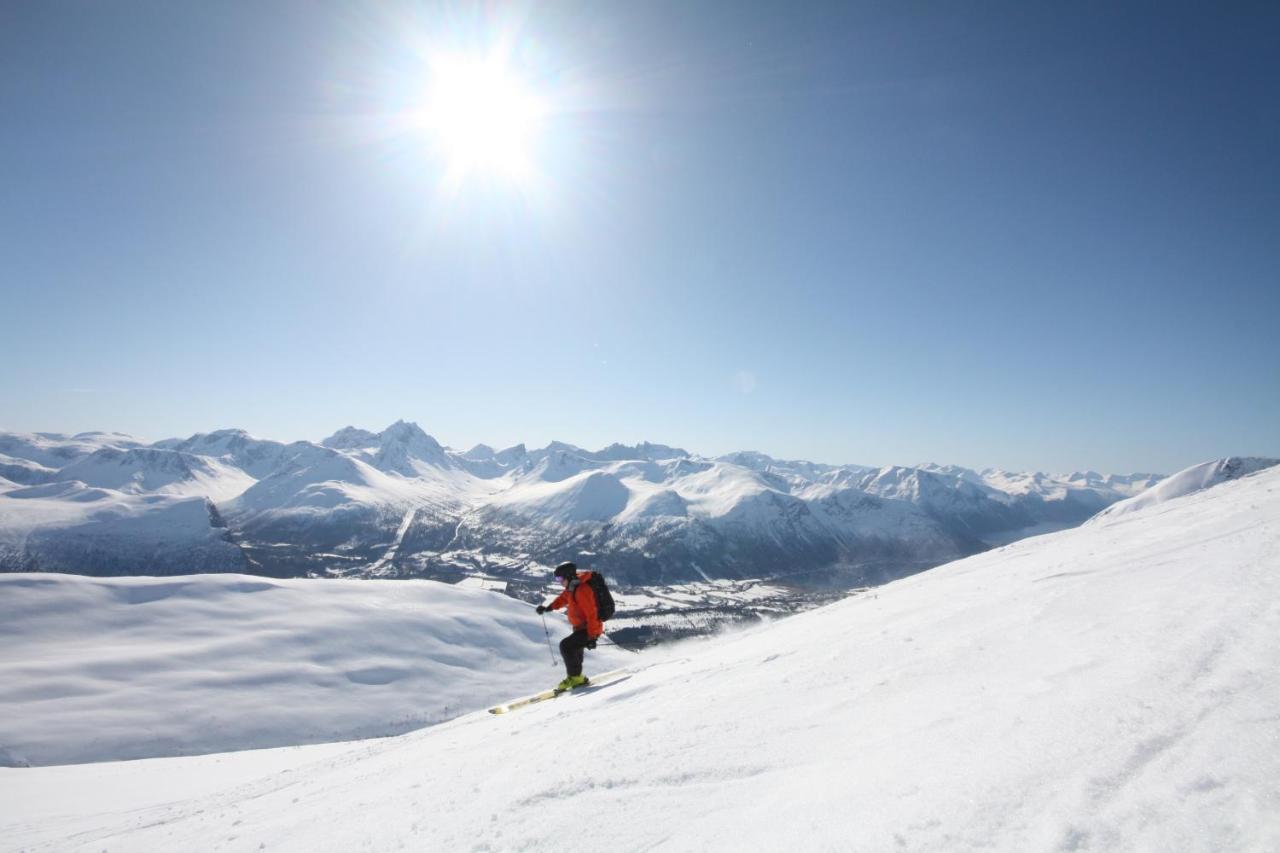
(143, 470)
(1189, 481)
(68, 526)
(1111, 687)
(397, 503)
(98, 669)
(52, 451)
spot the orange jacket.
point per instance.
(582, 605)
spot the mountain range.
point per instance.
(397, 503)
(1106, 688)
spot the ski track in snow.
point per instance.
(1108, 688)
(376, 567)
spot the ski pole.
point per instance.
(548, 633)
(619, 645)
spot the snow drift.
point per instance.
(99, 669)
(1190, 481)
(1111, 687)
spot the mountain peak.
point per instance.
(561, 447)
(403, 448)
(349, 438)
(407, 432)
(644, 450)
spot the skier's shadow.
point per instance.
(623, 695)
(592, 688)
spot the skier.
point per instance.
(584, 618)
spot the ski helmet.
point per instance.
(568, 571)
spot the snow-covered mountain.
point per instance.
(54, 450)
(145, 470)
(1187, 482)
(254, 456)
(72, 527)
(32, 458)
(398, 503)
(1110, 687)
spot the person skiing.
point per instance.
(583, 616)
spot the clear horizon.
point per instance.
(1028, 239)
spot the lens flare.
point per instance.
(481, 118)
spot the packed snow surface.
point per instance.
(1112, 687)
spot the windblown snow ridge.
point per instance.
(1189, 481)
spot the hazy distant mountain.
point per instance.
(398, 503)
(255, 456)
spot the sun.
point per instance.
(481, 118)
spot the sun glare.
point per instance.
(481, 118)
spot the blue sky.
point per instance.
(1021, 235)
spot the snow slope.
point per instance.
(1189, 481)
(100, 669)
(1111, 687)
(16, 471)
(256, 457)
(55, 450)
(144, 470)
(61, 526)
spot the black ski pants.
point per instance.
(572, 649)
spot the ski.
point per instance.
(593, 681)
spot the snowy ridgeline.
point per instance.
(102, 669)
(398, 504)
(1112, 687)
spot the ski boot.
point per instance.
(572, 682)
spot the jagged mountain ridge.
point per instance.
(398, 503)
